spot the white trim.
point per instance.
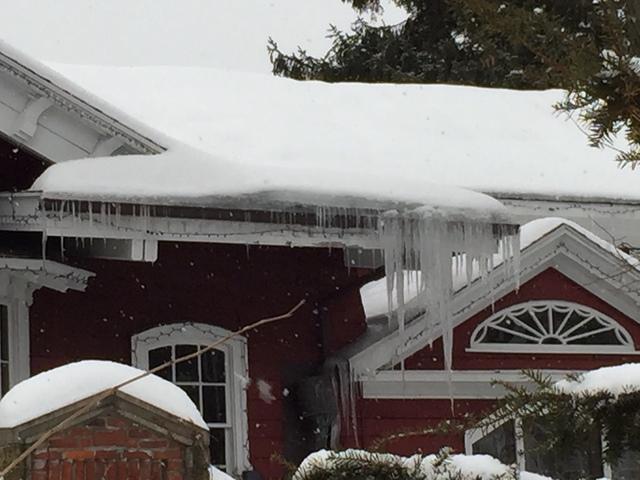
(19, 278)
(22, 212)
(544, 328)
(439, 384)
(26, 78)
(555, 349)
(18, 334)
(237, 375)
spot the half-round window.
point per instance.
(551, 326)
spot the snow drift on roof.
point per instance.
(381, 140)
(374, 294)
(74, 382)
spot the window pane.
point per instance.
(499, 443)
(215, 409)
(582, 464)
(4, 372)
(213, 366)
(217, 446)
(628, 467)
(194, 393)
(186, 371)
(4, 333)
(157, 357)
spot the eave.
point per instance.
(40, 86)
(287, 225)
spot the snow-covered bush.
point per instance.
(578, 424)
(360, 464)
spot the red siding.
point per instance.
(18, 167)
(225, 285)
(548, 285)
(381, 418)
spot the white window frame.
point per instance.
(15, 296)
(476, 345)
(472, 435)
(235, 350)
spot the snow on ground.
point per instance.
(478, 467)
(616, 380)
(385, 141)
(74, 382)
(536, 476)
(215, 474)
(374, 294)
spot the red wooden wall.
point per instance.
(18, 167)
(224, 285)
(380, 418)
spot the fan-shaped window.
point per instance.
(551, 326)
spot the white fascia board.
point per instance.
(46, 273)
(52, 142)
(575, 256)
(438, 384)
(605, 217)
(22, 212)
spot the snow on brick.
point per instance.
(74, 382)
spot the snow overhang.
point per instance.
(269, 218)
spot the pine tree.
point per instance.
(591, 48)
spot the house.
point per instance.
(148, 211)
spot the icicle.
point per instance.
(432, 249)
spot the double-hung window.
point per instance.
(215, 381)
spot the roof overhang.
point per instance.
(19, 277)
(37, 112)
(228, 221)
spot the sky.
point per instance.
(228, 34)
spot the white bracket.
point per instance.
(27, 122)
(106, 146)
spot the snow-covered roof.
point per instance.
(232, 133)
(74, 382)
(374, 294)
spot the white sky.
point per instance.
(228, 34)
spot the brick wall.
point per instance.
(109, 447)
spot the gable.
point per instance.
(582, 259)
(546, 286)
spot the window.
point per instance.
(517, 442)
(14, 343)
(4, 350)
(215, 382)
(551, 326)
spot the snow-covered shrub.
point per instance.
(361, 464)
(577, 424)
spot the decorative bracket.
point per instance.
(106, 146)
(27, 122)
